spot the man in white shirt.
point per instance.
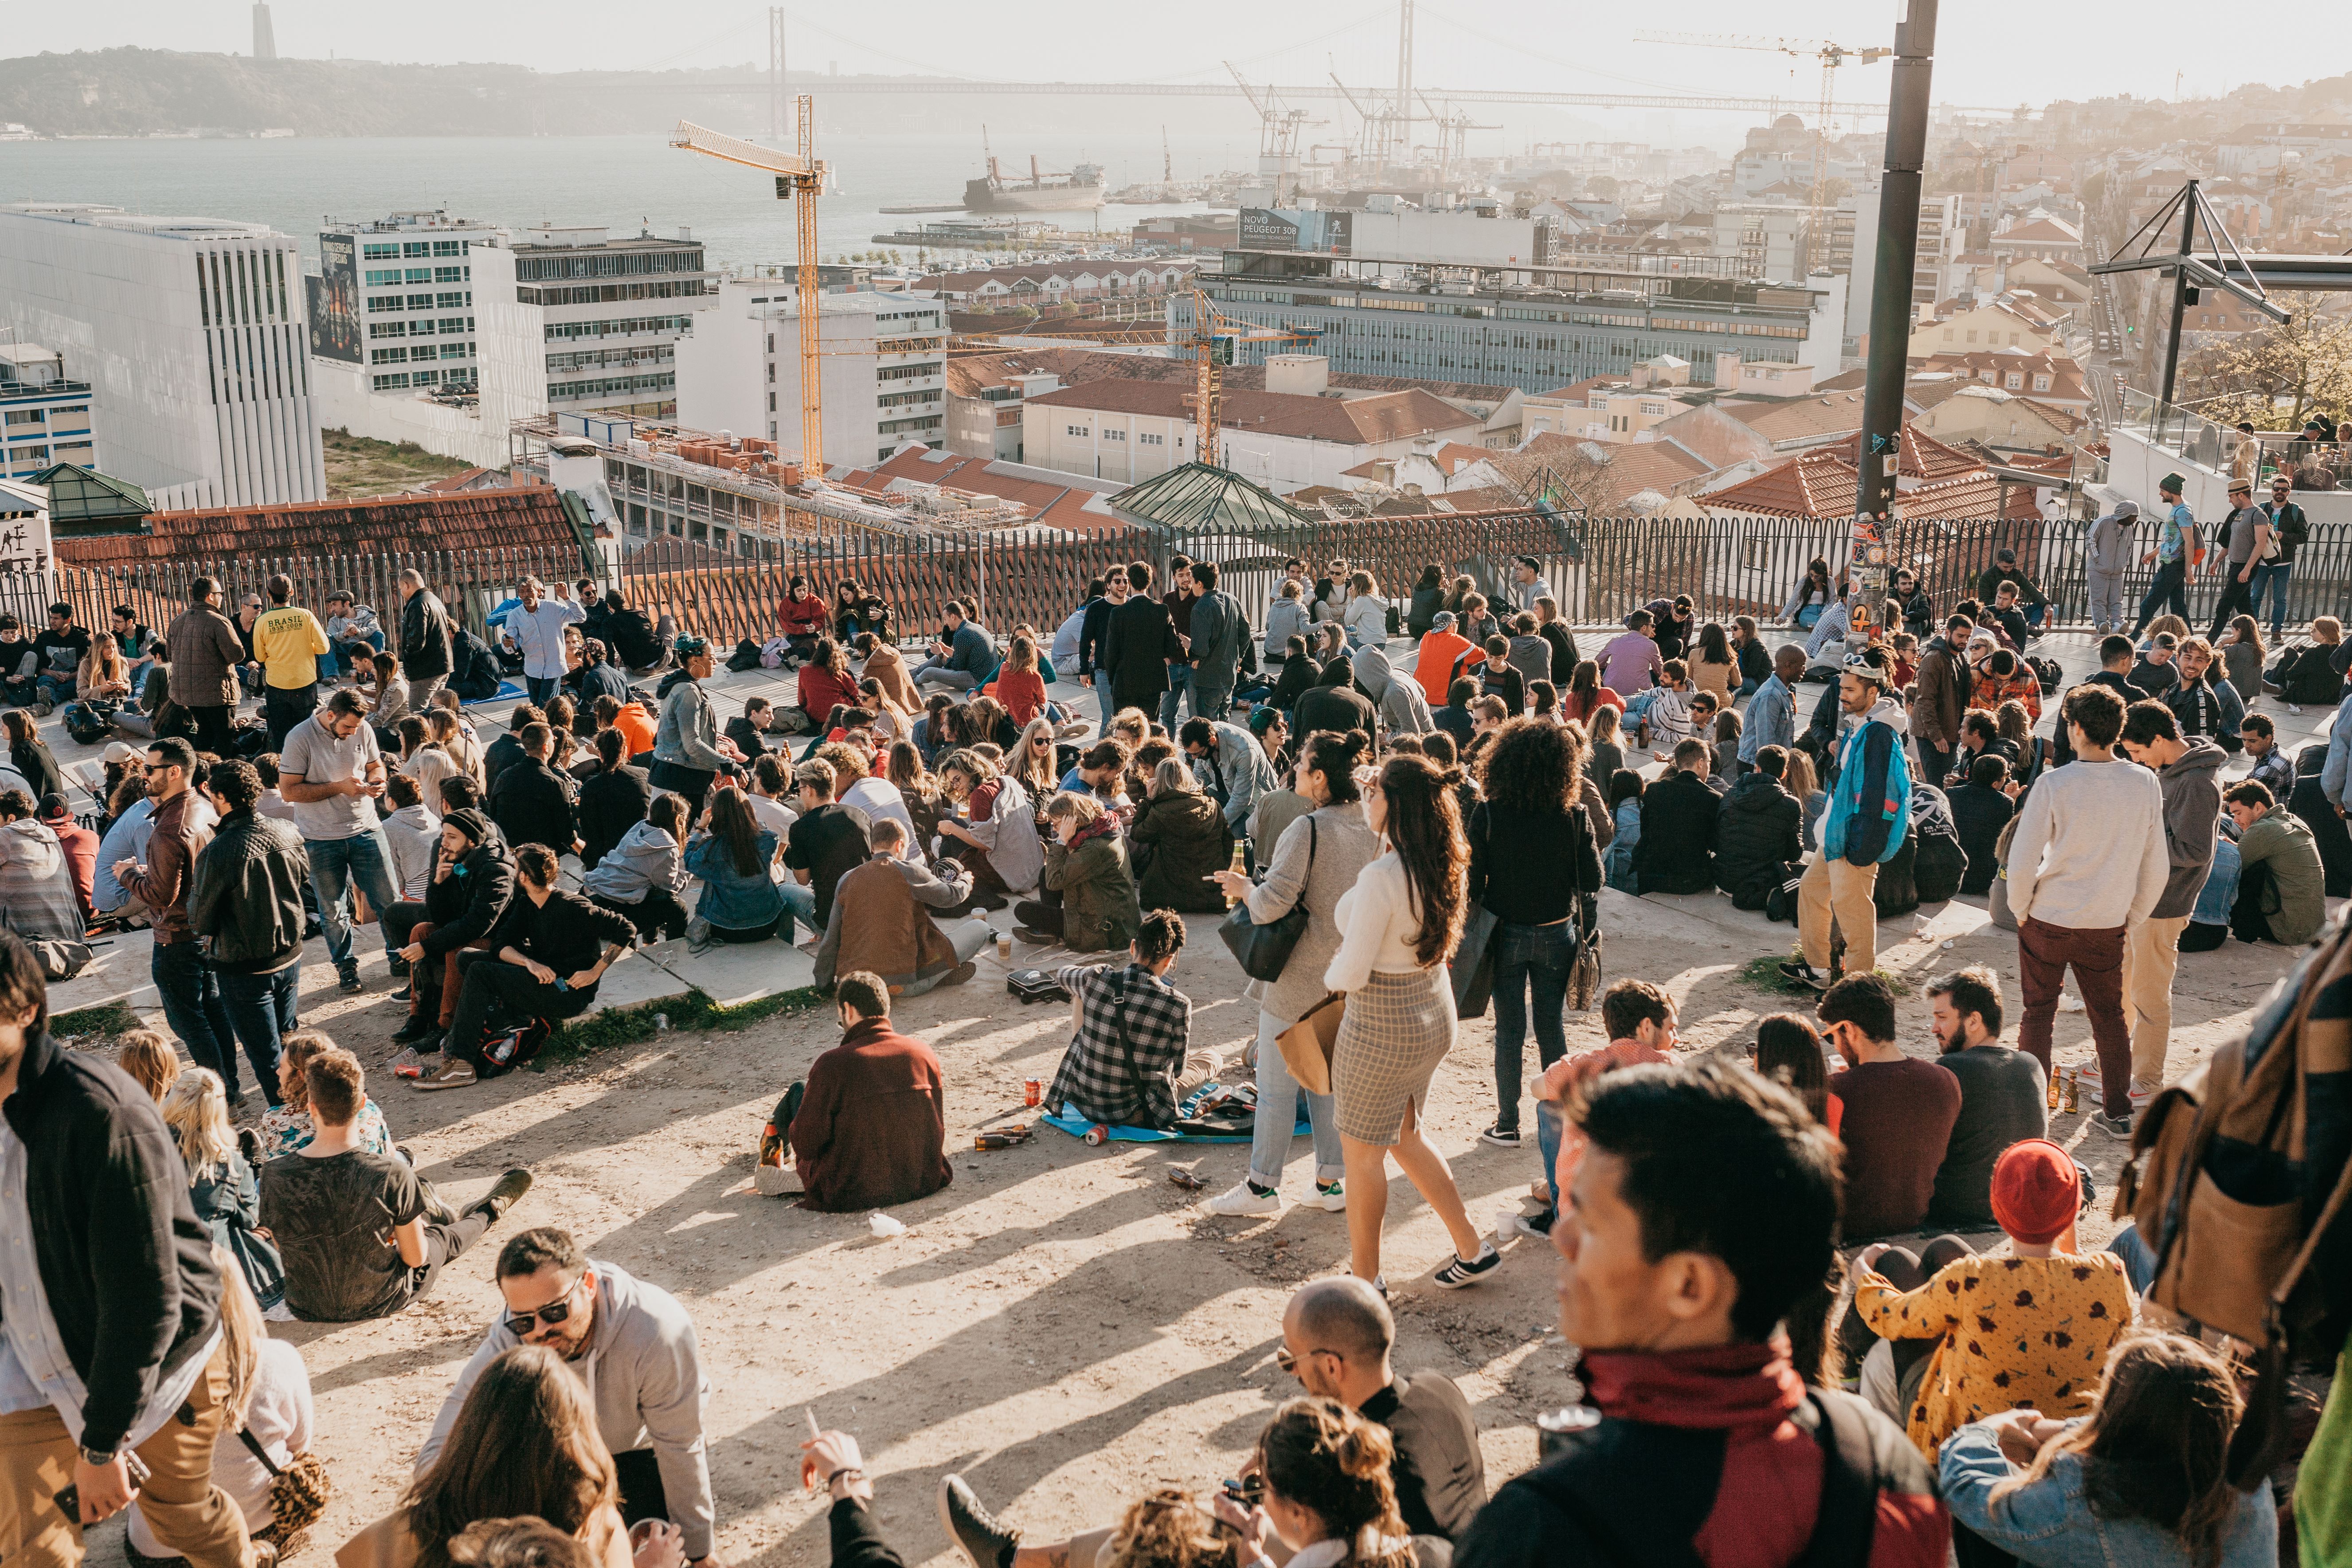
(2088, 862)
(330, 774)
(534, 628)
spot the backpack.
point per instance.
(508, 1045)
(2047, 671)
(2239, 1185)
(89, 722)
(1035, 985)
(746, 656)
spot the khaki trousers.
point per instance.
(1840, 887)
(2152, 957)
(187, 1512)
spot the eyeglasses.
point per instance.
(554, 1312)
(1284, 1359)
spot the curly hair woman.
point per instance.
(1398, 925)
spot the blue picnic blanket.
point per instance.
(1075, 1126)
(509, 690)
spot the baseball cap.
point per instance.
(122, 751)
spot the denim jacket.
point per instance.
(2049, 1522)
(732, 898)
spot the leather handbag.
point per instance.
(1307, 1045)
(1262, 950)
(1471, 969)
(298, 1490)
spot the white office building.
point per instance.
(417, 335)
(192, 334)
(612, 313)
(883, 370)
(44, 413)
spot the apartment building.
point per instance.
(1767, 239)
(613, 314)
(44, 414)
(882, 369)
(191, 335)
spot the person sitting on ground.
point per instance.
(869, 1128)
(2003, 1096)
(524, 1449)
(1130, 1061)
(1980, 808)
(1333, 703)
(882, 920)
(962, 658)
(1641, 1021)
(531, 801)
(994, 833)
(2281, 885)
(547, 966)
(1789, 1052)
(647, 1383)
(1962, 1335)
(749, 729)
(613, 802)
(1180, 842)
(1087, 863)
(77, 845)
(2142, 1477)
(1899, 1111)
(473, 883)
(1676, 1275)
(1676, 850)
(1759, 832)
(825, 843)
(354, 1228)
(222, 1188)
(735, 857)
(289, 1126)
(644, 875)
(150, 1060)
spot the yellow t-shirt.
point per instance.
(289, 639)
(2016, 1331)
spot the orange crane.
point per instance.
(1832, 56)
(1208, 380)
(805, 176)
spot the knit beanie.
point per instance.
(2036, 1192)
(470, 822)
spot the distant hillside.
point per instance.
(133, 92)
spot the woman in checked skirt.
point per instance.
(1396, 926)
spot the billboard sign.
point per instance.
(334, 302)
(1291, 228)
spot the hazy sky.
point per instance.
(1992, 52)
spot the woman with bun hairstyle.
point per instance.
(1398, 925)
(1329, 1498)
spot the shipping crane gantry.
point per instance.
(805, 176)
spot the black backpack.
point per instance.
(2047, 671)
(746, 656)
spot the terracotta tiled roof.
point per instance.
(1805, 420)
(1924, 456)
(1626, 468)
(2041, 231)
(1355, 420)
(1823, 484)
(1576, 392)
(519, 517)
(470, 480)
(1054, 500)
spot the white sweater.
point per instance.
(1378, 927)
(2089, 851)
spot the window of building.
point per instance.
(2014, 380)
(417, 247)
(449, 247)
(454, 324)
(379, 252)
(1078, 429)
(771, 402)
(426, 378)
(23, 417)
(395, 383)
(387, 328)
(457, 301)
(388, 356)
(2041, 384)
(448, 275)
(455, 351)
(1110, 434)
(1149, 438)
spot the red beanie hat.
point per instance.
(2036, 1191)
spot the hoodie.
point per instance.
(2193, 805)
(36, 887)
(645, 1382)
(646, 858)
(1758, 829)
(413, 836)
(2110, 552)
(1402, 706)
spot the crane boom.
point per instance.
(803, 174)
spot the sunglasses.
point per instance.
(556, 1312)
(1287, 1362)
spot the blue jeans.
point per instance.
(1277, 1121)
(336, 863)
(1179, 681)
(1747, 687)
(2219, 894)
(2168, 591)
(2139, 1259)
(261, 1009)
(343, 653)
(1541, 957)
(2270, 577)
(1550, 1123)
(800, 903)
(192, 1006)
(542, 693)
(57, 689)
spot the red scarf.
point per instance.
(1103, 826)
(1772, 1484)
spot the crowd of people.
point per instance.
(1394, 839)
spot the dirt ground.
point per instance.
(1063, 1325)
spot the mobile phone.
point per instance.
(69, 1503)
(1249, 1490)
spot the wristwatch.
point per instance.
(99, 1458)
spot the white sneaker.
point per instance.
(1240, 1200)
(1330, 1197)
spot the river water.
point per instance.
(290, 184)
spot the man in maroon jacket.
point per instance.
(869, 1128)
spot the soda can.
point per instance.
(1098, 1134)
(1033, 1092)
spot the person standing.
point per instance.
(1398, 925)
(1311, 864)
(110, 1341)
(332, 774)
(288, 642)
(689, 753)
(1137, 643)
(246, 902)
(191, 993)
(2245, 543)
(2088, 860)
(1533, 861)
(1946, 682)
(2290, 528)
(424, 640)
(206, 652)
(1094, 630)
(2107, 556)
(1182, 598)
(1772, 711)
(2174, 558)
(1868, 815)
(2188, 771)
(1220, 628)
(534, 628)
(633, 1345)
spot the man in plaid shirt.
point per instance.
(1134, 1034)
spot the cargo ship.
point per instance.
(1082, 187)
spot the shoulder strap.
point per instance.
(1847, 1516)
(246, 1437)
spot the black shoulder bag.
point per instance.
(1262, 950)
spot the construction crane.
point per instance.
(806, 176)
(1832, 56)
(1452, 136)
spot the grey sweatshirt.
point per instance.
(646, 857)
(1403, 709)
(645, 1382)
(2193, 805)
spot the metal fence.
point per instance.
(1597, 569)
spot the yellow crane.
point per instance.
(1832, 56)
(805, 176)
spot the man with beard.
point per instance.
(2002, 1096)
(635, 1348)
(1136, 647)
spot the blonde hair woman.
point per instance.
(221, 1185)
(150, 1060)
(1397, 927)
